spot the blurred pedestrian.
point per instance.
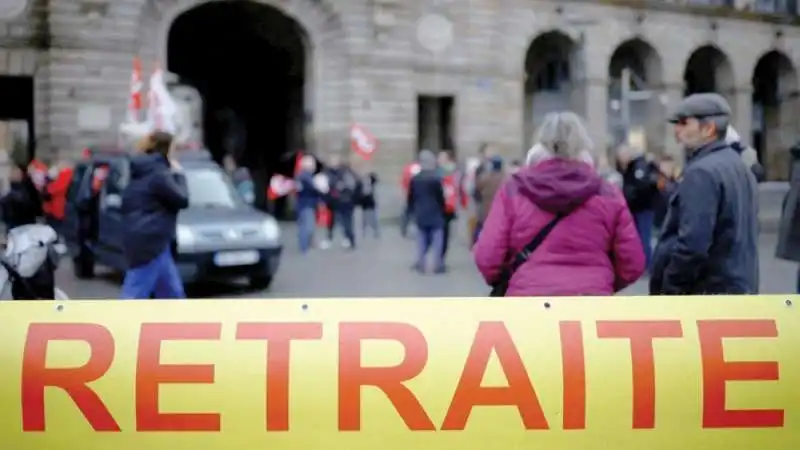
(308, 197)
(607, 172)
(21, 205)
(488, 185)
(789, 228)
(369, 204)
(640, 186)
(709, 241)
(749, 154)
(426, 200)
(668, 173)
(451, 181)
(556, 228)
(150, 205)
(342, 199)
(409, 171)
(241, 178)
(54, 195)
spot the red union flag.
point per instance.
(362, 141)
(135, 101)
(279, 186)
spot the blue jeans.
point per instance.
(159, 276)
(306, 224)
(644, 225)
(430, 239)
(369, 220)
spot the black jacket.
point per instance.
(789, 227)
(426, 199)
(640, 184)
(150, 206)
(344, 187)
(709, 241)
(21, 205)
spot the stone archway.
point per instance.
(635, 72)
(775, 109)
(549, 79)
(322, 22)
(709, 69)
(304, 37)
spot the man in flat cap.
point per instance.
(708, 243)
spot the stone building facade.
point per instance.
(371, 59)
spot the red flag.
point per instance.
(135, 102)
(298, 159)
(279, 186)
(362, 141)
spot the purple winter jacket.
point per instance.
(595, 250)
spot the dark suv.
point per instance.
(218, 236)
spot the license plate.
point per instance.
(237, 258)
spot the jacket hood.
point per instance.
(558, 185)
(144, 164)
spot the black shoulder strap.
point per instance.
(537, 240)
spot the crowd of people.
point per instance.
(568, 220)
(563, 226)
(35, 192)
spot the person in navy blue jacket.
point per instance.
(150, 206)
(309, 196)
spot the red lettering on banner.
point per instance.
(493, 337)
(717, 372)
(352, 375)
(279, 337)
(641, 335)
(36, 376)
(573, 366)
(151, 374)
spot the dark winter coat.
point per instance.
(150, 206)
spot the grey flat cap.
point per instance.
(701, 106)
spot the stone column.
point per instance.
(742, 105)
(591, 101)
(673, 94)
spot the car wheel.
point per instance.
(260, 281)
(83, 265)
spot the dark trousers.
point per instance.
(644, 225)
(344, 217)
(332, 221)
(446, 236)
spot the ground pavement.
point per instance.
(380, 268)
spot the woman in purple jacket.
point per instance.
(593, 250)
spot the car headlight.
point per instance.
(271, 230)
(185, 237)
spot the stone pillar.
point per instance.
(593, 104)
(673, 95)
(742, 106)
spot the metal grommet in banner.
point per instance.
(789, 302)
(60, 307)
(304, 307)
(547, 305)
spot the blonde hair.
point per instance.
(564, 135)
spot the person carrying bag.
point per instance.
(500, 287)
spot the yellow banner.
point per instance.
(593, 373)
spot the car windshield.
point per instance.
(211, 188)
